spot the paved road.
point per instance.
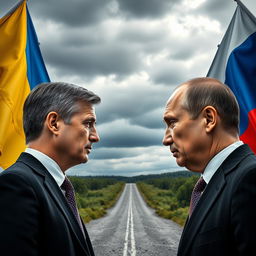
(131, 228)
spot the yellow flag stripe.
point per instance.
(14, 86)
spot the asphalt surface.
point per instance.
(131, 228)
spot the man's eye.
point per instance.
(171, 124)
(88, 124)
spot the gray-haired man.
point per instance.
(38, 214)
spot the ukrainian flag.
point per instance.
(21, 68)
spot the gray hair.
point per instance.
(202, 92)
(62, 98)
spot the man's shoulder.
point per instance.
(241, 160)
(242, 163)
(248, 158)
(242, 154)
(23, 167)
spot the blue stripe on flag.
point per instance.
(241, 70)
(36, 70)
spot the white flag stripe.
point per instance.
(239, 29)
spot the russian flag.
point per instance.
(235, 65)
(21, 68)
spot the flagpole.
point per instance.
(245, 9)
(13, 8)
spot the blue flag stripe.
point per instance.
(241, 70)
(36, 70)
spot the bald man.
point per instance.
(202, 118)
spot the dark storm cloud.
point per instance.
(131, 138)
(111, 153)
(90, 51)
(92, 60)
(152, 119)
(224, 10)
(116, 48)
(146, 38)
(121, 134)
(6, 6)
(132, 103)
(145, 8)
(182, 54)
(70, 13)
(218, 10)
(168, 75)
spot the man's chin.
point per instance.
(85, 159)
(180, 162)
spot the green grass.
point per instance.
(169, 203)
(94, 203)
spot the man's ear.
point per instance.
(210, 116)
(52, 122)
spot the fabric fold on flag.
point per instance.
(234, 64)
(21, 68)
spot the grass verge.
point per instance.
(94, 203)
(164, 202)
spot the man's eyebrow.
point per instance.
(91, 119)
(169, 119)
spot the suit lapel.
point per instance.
(57, 196)
(60, 200)
(207, 199)
(209, 196)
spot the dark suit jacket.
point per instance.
(224, 220)
(35, 218)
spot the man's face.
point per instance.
(187, 138)
(75, 139)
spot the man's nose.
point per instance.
(167, 139)
(94, 136)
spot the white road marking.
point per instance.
(126, 234)
(129, 229)
(133, 248)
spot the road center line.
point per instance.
(129, 227)
(133, 248)
(127, 233)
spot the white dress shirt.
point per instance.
(51, 166)
(217, 160)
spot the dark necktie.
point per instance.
(70, 196)
(196, 194)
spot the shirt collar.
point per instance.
(218, 159)
(51, 166)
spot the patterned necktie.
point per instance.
(70, 196)
(196, 194)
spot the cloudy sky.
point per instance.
(133, 53)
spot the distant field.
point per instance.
(95, 195)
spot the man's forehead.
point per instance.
(174, 103)
(85, 108)
(176, 96)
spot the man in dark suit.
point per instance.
(202, 118)
(38, 214)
